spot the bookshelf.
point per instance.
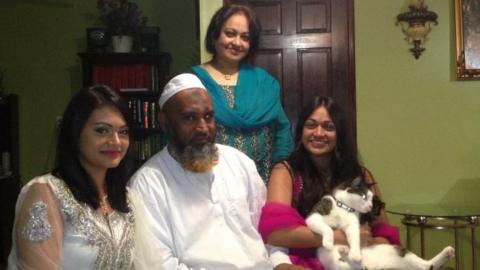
(9, 172)
(139, 78)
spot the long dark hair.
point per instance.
(222, 15)
(68, 166)
(344, 164)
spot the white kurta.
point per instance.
(205, 220)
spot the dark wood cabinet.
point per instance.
(139, 78)
(9, 172)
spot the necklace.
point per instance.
(226, 76)
(104, 205)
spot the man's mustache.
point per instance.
(201, 135)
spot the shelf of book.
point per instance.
(127, 72)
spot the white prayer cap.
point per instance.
(179, 83)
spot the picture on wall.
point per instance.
(467, 25)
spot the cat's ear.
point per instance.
(357, 182)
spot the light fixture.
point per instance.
(416, 24)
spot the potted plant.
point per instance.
(123, 20)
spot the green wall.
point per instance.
(39, 46)
(418, 127)
(178, 30)
(206, 9)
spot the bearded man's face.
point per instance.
(189, 120)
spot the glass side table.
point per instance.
(439, 217)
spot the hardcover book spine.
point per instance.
(133, 110)
(153, 115)
(139, 113)
(145, 114)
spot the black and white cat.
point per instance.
(342, 210)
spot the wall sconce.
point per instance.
(416, 24)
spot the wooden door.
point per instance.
(309, 46)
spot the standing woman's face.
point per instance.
(319, 135)
(233, 43)
(104, 140)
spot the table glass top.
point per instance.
(435, 210)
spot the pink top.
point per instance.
(297, 186)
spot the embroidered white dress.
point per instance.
(54, 231)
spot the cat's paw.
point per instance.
(355, 256)
(442, 258)
(327, 241)
(315, 223)
(343, 250)
(449, 252)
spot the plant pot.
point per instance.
(122, 44)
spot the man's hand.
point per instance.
(286, 266)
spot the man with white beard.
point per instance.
(202, 200)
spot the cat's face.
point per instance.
(356, 195)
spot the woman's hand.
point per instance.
(366, 238)
(339, 237)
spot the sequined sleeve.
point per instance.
(38, 229)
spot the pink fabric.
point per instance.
(387, 231)
(297, 186)
(305, 257)
(277, 216)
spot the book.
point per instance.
(145, 115)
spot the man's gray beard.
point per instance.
(198, 158)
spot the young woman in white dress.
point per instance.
(79, 216)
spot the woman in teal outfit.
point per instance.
(246, 98)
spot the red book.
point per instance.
(132, 76)
(145, 75)
(145, 114)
